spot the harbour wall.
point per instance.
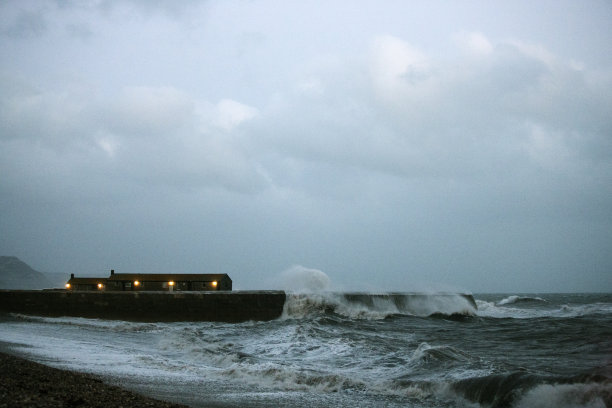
(235, 306)
(410, 300)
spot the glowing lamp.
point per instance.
(100, 286)
(171, 283)
(136, 283)
(68, 286)
(214, 283)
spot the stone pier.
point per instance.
(235, 306)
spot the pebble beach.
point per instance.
(24, 383)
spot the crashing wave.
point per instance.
(519, 299)
(529, 390)
(510, 311)
(378, 306)
(568, 395)
(425, 352)
(299, 279)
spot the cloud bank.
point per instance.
(155, 138)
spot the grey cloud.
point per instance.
(170, 8)
(151, 135)
(50, 118)
(79, 30)
(227, 137)
(27, 24)
(472, 114)
(150, 112)
(171, 138)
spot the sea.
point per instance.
(334, 350)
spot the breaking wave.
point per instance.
(378, 306)
(426, 352)
(529, 390)
(309, 295)
(89, 323)
(304, 280)
(517, 309)
(591, 395)
(519, 299)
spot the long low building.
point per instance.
(152, 282)
(86, 283)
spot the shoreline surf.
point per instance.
(332, 351)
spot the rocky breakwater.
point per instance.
(235, 306)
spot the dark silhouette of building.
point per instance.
(86, 283)
(153, 282)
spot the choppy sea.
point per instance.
(328, 350)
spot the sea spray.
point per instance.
(519, 299)
(300, 279)
(590, 395)
(377, 306)
(508, 307)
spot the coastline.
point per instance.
(24, 383)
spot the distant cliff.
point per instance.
(16, 274)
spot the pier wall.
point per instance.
(236, 306)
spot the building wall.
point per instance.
(223, 284)
(85, 287)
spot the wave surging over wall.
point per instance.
(304, 280)
(378, 306)
(309, 295)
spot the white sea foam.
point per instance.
(300, 305)
(375, 306)
(279, 357)
(517, 299)
(309, 295)
(567, 396)
(294, 378)
(425, 352)
(113, 325)
(507, 308)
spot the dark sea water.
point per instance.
(334, 350)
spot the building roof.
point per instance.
(86, 281)
(166, 277)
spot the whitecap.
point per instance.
(567, 396)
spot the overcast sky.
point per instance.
(392, 145)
